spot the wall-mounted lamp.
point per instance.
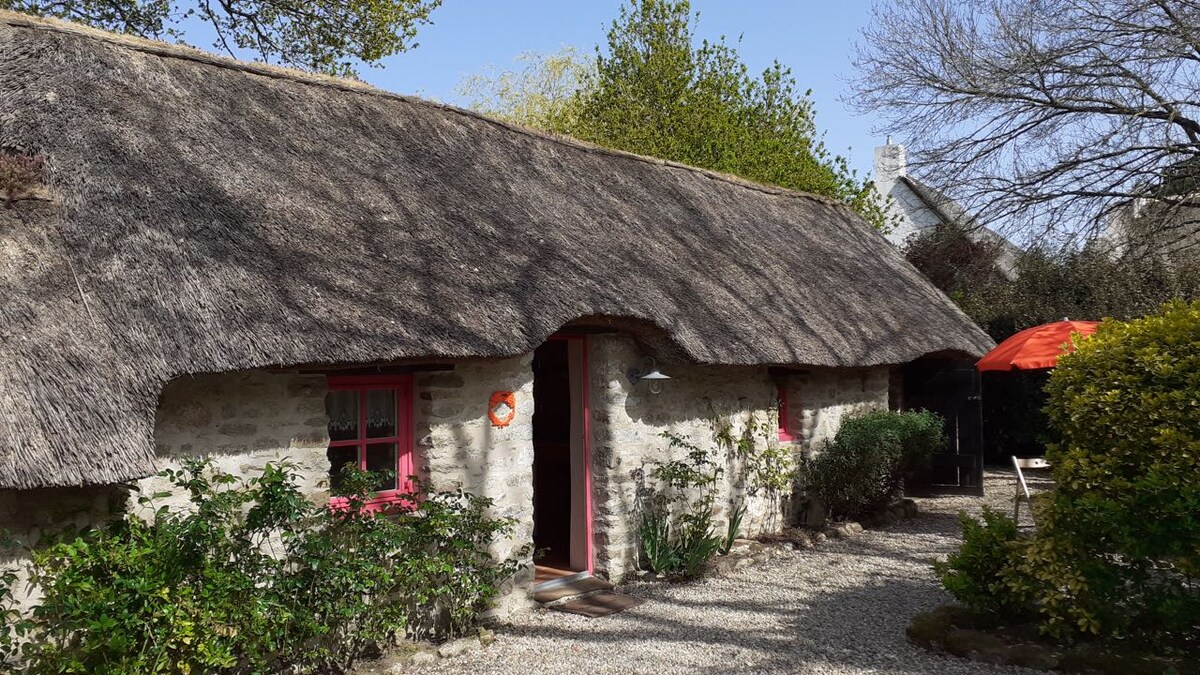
(650, 374)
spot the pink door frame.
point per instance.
(585, 402)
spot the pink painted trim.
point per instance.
(585, 382)
(403, 439)
(586, 415)
(784, 436)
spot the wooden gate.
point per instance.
(950, 388)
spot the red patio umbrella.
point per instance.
(1037, 347)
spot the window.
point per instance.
(370, 426)
(784, 420)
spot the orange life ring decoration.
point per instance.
(502, 408)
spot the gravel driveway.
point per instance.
(841, 608)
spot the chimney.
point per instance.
(889, 163)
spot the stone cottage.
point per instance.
(239, 261)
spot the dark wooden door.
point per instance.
(952, 390)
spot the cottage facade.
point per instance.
(252, 264)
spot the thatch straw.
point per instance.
(210, 215)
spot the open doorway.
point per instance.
(561, 504)
(950, 388)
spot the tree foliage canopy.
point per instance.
(655, 90)
(319, 35)
(1086, 283)
(540, 94)
(1051, 114)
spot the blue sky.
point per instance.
(813, 38)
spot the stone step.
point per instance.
(562, 589)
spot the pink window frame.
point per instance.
(403, 386)
(784, 419)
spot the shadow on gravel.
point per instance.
(842, 608)
(849, 628)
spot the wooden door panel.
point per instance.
(950, 389)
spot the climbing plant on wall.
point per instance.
(769, 466)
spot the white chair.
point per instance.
(1020, 463)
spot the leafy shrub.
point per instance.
(1118, 550)
(252, 577)
(976, 573)
(862, 470)
(732, 529)
(678, 532)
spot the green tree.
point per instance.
(319, 35)
(1086, 283)
(540, 94)
(655, 91)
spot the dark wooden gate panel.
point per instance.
(952, 390)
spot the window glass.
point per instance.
(381, 413)
(342, 409)
(339, 457)
(365, 430)
(381, 457)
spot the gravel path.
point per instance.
(839, 609)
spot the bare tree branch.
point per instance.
(1047, 117)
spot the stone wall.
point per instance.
(457, 446)
(243, 421)
(627, 422)
(818, 399)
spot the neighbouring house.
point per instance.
(917, 207)
(244, 262)
(1164, 222)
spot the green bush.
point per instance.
(1118, 548)
(1116, 553)
(862, 470)
(976, 574)
(251, 577)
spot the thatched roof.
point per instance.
(207, 215)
